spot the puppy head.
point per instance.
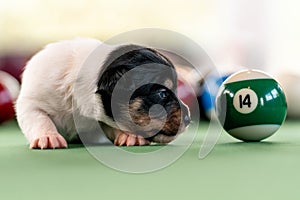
(142, 106)
(175, 113)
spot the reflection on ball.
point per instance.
(251, 105)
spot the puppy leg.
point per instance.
(38, 128)
(125, 138)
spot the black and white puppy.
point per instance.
(45, 106)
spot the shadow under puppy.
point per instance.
(78, 75)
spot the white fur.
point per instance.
(45, 103)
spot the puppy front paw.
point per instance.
(128, 139)
(49, 141)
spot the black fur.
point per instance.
(129, 57)
(121, 61)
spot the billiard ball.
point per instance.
(290, 82)
(185, 93)
(13, 64)
(187, 85)
(251, 105)
(209, 91)
(11, 84)
(6, 105)
(9, 90)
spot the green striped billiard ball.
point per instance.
(251, 105)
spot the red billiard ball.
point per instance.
(9, 90)
(6, 104)
(185, 93)
(13, 64)
(187, 86)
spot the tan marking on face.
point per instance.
(136, 104)
(172, 127)
(173, 121)
(169, 84)
(137, 115)
(142, 118)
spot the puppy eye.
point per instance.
(163, 93)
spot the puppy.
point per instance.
(53, 78)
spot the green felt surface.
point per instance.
(233, 170)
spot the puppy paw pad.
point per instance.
(126, 139)
(49, 141)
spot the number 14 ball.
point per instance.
(251, 105)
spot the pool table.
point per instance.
(232, 170)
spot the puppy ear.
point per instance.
(105, 97)
(106, 87)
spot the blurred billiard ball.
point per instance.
(185, 93)
(187, 86)
(9, 90)
(209, 92)
(13, 63)
(251, 105)
(290, 82)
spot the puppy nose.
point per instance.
(186, 120)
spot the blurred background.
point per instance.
(253, 33)
(262, 34)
